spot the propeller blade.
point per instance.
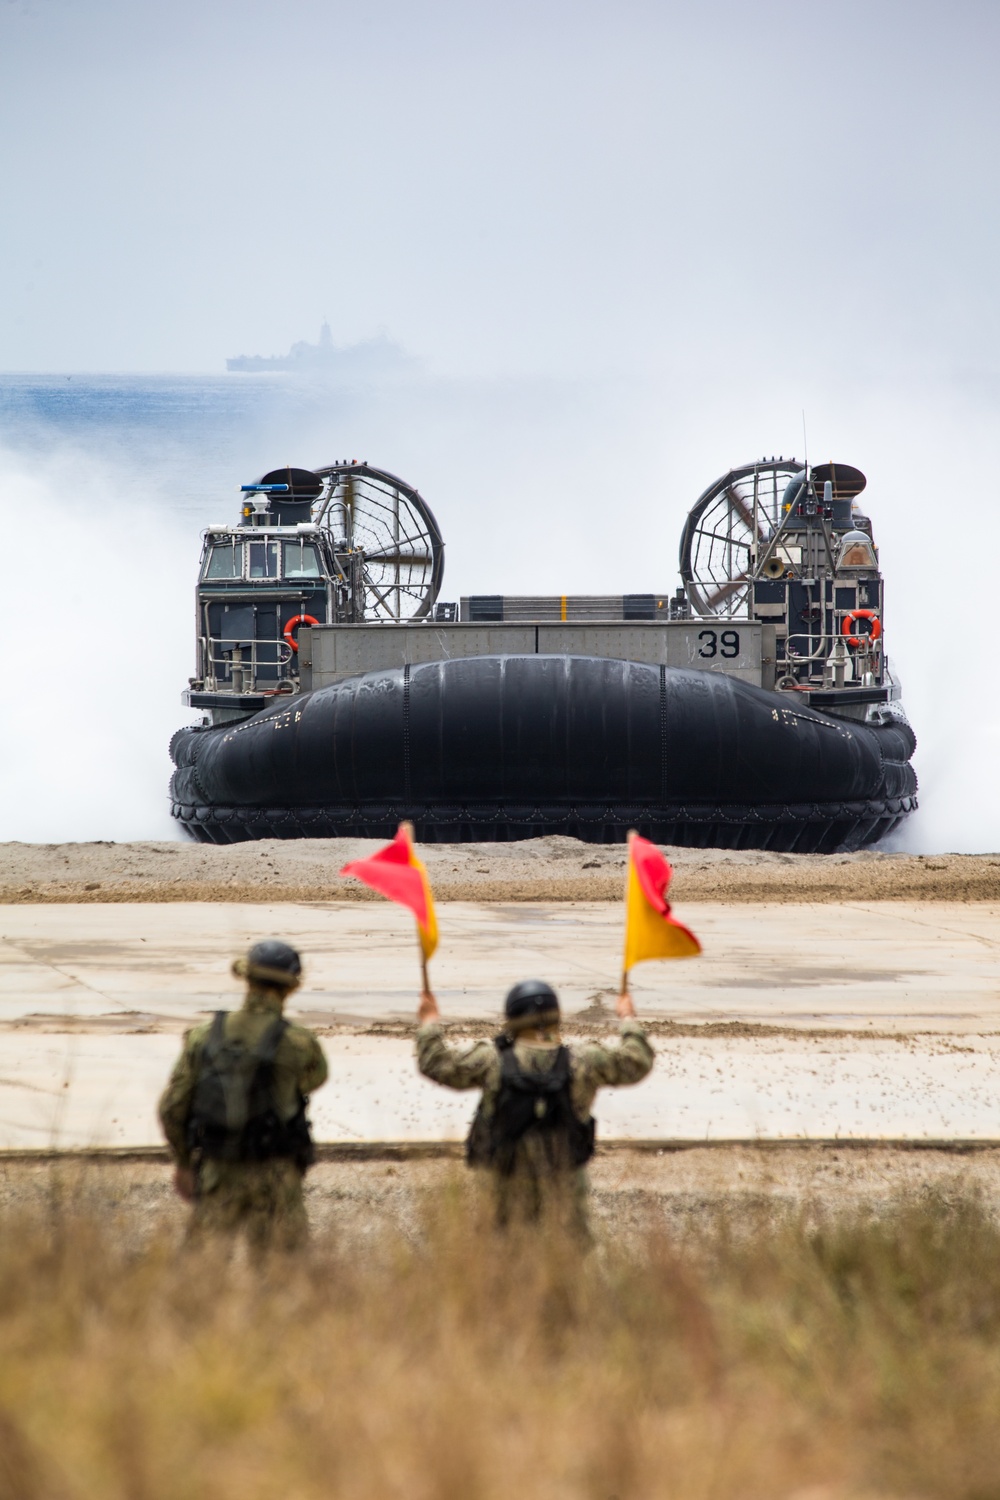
(738, 503)
(393, 556)
(724, 590)
(370, 582)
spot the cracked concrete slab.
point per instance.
(804, 1020)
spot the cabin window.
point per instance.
(856, 551)
(225, 560)
(263, 559)
(302, 560)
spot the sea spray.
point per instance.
(98, 649)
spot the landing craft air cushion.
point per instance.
(753, 708)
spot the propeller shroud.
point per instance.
(728, 526)
(387, 543)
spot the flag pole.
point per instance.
(628, 872)
(406, 827)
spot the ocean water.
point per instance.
(194, 436)
(539, 486)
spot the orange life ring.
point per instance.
(861, 614)
(293, 622)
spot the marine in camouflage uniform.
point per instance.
(533, 1189)
(261, 1199)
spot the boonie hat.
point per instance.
(271, 962)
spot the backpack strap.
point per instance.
(549, 1082)
(563, 1066)
(510, 1072)
(216, 1035)
(267, 1048)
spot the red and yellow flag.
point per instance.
(396, 872)
(650, 930)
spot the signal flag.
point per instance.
(397, 873)
(650, 930)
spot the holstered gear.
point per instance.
(233, 1117)
(529, 1104)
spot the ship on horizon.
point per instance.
(375, 356)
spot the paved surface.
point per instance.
(851, 1020)
(884, 965)
(85, 1090)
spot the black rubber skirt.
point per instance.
(513, 747)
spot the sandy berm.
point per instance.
(544, 869)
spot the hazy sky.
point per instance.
(558, 187)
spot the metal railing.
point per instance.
(243, 666)
(865, 661)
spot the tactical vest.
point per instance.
(233, 1116)
(529, 1104)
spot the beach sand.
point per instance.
(545, 869)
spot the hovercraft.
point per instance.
(754, 708)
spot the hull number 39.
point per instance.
(719, 643)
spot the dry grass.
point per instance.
(765, 1358)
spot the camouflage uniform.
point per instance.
(262, 1199)
(533, 1190)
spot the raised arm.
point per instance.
(628, 1062)
(427, 1010)
(471, 1066)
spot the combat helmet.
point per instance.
(531, 1003)
(271, 962)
